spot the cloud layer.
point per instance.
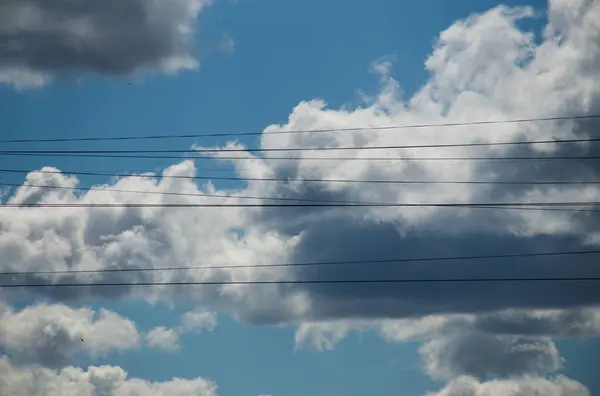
(484, 67)
(468, 81)
(40, 40)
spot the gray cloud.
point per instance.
(191, 322)
(488, 356)
(482, 68)
(40, 39)
(579, 323)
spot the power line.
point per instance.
(315, 205)
(287, 180)
(307, 282)
(167, 193)
(219, 157)
(368, 128)
(183, 194)
(307, 264)
(273, 149)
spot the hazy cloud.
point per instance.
(198, 319)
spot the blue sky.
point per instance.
(284, 53)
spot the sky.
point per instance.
(245, 69)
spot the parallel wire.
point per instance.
(287, 180)
(306, 282)
(360, 281)
(277, 149)
(306, 264)
(368, 128)
(315, 205)
(333, 202)
(220, 157)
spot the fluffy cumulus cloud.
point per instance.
(51, 335)
(163, 338)
(95, 381)
(193, 321)
(482, 68)
(40, 40)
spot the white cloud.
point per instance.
(192, 321)
(95, 381)
(324, 336)
(529, 386)
(163, 338)
(198, 319)
(51, 334)
(484, 67)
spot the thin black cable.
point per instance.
(579, 209)
(256, 150)
(315, 205)
(377, 128)
(219, 157)
(307, 264)
(287, 180)
(307, 282)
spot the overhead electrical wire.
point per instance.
(323, 201)
(220, 157)
(305, 264)
(277, 149)
(366, 128)
(315, 205)
(307, 180)
(305, 282)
